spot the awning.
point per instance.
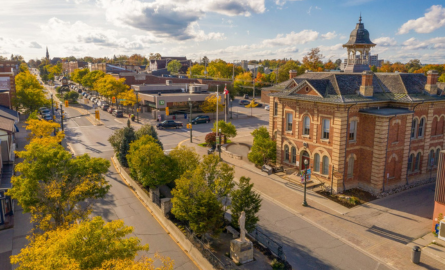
(16, 128)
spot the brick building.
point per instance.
(157, 64)
(69, 67)
(8, 71)
(360, 129)
(439, 198)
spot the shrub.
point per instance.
(210, 138)
(276, 265)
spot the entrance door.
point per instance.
(304, 157)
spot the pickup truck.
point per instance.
(169, 124)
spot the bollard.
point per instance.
(415, 255)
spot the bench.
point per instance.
(267, 168)
(234, 232)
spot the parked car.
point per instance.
(169, 124)
(118, 113)
(47, 117)
(258, 104)
(266, 107)
(105, 107)
(201, 119)
(244, 102)
(246, 96)
(44, 111)
(110, 110)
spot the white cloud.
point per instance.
(82, 33)
(34, 45)
(329, 35)
(292, 38)
(433, 19)
(414, 44)
(385, 41)
(282, 2)
(175, 19)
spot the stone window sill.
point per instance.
(305, 136)
(353, 142)
(289, 132)
(325, 140)
(390, 178)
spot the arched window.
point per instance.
(351, 166)
(286, 153)
(413, 129)
(436, 158)
(325, 165)
(410, 163)
(317, 162)
(417, 165)
(421, 127)
(353, 130)
(434, 127)
(431, 159)
(306, 125)
(294, 155)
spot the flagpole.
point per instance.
(225, 103)
(217, 110)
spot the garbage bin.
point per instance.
(415, 256)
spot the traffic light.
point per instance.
(66, 103)
(139, 109)
(97, 115)
(167, 111)
(114, 99)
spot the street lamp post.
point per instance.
(190, 119)
(231, 108)
(137, 106)
(219, 143)
(61, 115)
(52, 109)
(305, 181)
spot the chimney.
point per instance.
(366, 89)
(431, 82)
(292, 73)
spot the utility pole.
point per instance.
(217, 105)
(254, 77)
(137, 106)
(225, 103)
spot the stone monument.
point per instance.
(241, 249)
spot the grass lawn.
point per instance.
(205, 144)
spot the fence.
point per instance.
(217, 263)
(274, 247)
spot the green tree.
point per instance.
(23, 67)
(283, 74)
(87, 245)
(373, 68)
(193, 201)
(196, 71)
(128, 137)
(442, 78)
(116, 139)
(78, 74)
(247, 200)
(148, 129)
(55, 187)
(185, 158)
(71, 96)
(149, 164)
(174, 66)
(227, 129)
(92, 77)
(264, 149)
(29, 93)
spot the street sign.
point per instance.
(308, 171)
(161, 102)
(97, 115)
(217, 140)
(66, 103)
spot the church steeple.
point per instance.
(47, 54)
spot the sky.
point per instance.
(232, 30)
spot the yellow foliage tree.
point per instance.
(42, 131)
(209, 104)
(128, 98)
(109, 87)
(252, 104)
(91, 244)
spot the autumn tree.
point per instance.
(442, 78)
(148, 129)
(128, 98)
(92, 77)
(42, 131)
(283, 74)
(194, 201)
(195, 71)
(209, 104)
(154, 56)
(55, 187)
(312, 60)
(227, 129)
(329, 65)
(174, 66)
(78, 74)
(245, 199)
(185, 158)
(263, 149)
(148, 163)
(29, 94)
(243, 83)
(109, 87)
(91, 244)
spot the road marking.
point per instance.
(154, 216)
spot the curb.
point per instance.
(178, 237)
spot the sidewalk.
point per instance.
(378, 231)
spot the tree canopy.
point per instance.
(30, 95)
(264, 149)
(174, 66)
(247, 200)
(209, 104)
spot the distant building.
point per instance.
(375, 61)
(8, 71)
(69, 67)
(244, 64)
(114, 69)
(163, 62)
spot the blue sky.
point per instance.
(227, 29)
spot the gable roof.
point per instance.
(7, 124)
(8, 113)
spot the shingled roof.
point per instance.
(342, 87)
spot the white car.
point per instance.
(266, 107)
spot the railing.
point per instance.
(217, 263)
(274, 247)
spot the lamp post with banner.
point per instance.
(190, 119)
(307, 172)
